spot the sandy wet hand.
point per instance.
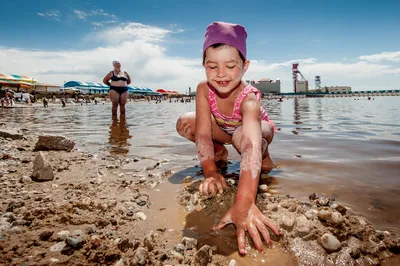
(214, 183)
(248, 219)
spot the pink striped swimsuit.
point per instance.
(229, 124)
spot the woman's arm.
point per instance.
(106, 79)
(129, 78)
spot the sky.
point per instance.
(159, 43)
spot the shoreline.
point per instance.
(98, 210)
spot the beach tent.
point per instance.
(87, 87)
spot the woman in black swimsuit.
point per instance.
(118, 80)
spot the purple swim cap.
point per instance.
(221, 32)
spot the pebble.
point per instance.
(263, 188)
(180, 248)
(322, 201)
(95, 240)
(178, 256)
(202, 256)
(25, 179)
(303, 226)
(231, 181)
(330, 242)
(233, 263)
(75, 243)
(140, 257)
(311, 214)
(62, 235)
(141, 216)
(287, 222)
(190, 243)
(266, 195)
(58, 246)
(187, 179)
(45, 235)
(324, 214)
(336, 218)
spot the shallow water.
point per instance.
(348, 149)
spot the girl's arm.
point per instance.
(107, 78)
(251, 149)
(203, 130)
(129, 78)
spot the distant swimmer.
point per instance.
(45, 102)
(281, 99)
(118, 80)
(63, 102)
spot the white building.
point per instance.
(337, 89)
(302, 86)
(267, 86)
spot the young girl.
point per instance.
(228, 111)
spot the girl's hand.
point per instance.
(250, 219)
(214, 182)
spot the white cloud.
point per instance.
(128, 32)
(80, 14)
(385, 56)
(84, 15)
(52, 14)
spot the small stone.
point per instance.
(266, 195)
(233, 263)
(53, 260)
(313, 196)
(203, 256)
(341, 209)
(129, 213)
(330, 243)
(180, 248)
(62, 235)
(322, 201)
(336, 218)
(140, 257)
(263, 188)
(324, 214)
(58, 247)
(75, 242)
(42, 170)
(187, 179)
(124, 245)
(190, 243)
(45, 235)
(11, 134)
(141, 216)
(311, 214)
(303, 226)
(95, 240)
(25, 179)
(178, 256)
(231, 181)
(287, 222)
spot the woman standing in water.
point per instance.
(118, 87)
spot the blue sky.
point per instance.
(354, 43)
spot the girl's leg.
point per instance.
(267, 135)
(114, 98)
(186, 128)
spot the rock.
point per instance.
(266, 195)
(14, 204)
(330, 243)
(187, 179)
(203, 256)
(231, 181)
(45, 235)
(262, 188)
(341, 209)
(322, 201)
(62, 235)
(95, 240)
(2, 236)
(180, 248)
(57, 143)
(140, 257)
(287, 222)
(313, 196)
(58, 247)
(303, 226)
(10, 133)
(75, 242)
(42, 170)
(25, 179)
(120, 263)
(311, 214)
(190, 243)
(324, 214)
(141, 216)
(9, 216)
(233, 263)
(124, 245)
(336, 218)
(150, 241)
(178, 256)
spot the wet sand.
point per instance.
(317, 150)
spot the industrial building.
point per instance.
(336, 89)
(267, 86)
(302, 86)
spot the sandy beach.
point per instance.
(127, 194)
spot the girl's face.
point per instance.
(224, 68)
